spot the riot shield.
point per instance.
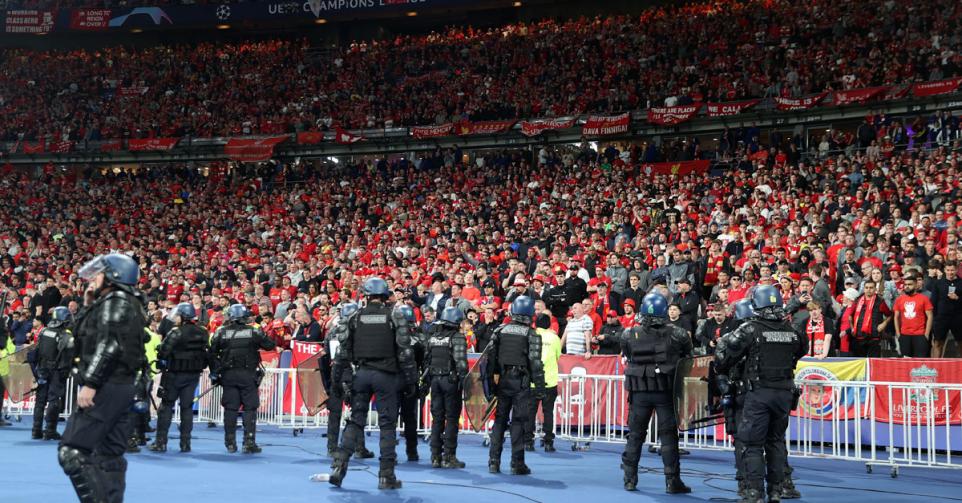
(18, 377)
(476, 388)
(695, 405)
(310, 384)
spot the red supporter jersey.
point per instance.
(911, 310)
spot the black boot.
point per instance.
(413, 453)
(742, 488)
(774, 493)
(494, 465)
(752, 496)
(674, 485)
(36, 433)
(452, 461)
(184, 444)
(338, 470)
(51, 435)
(250, 446)
(631, 476)
(549, 446)
(132, 446)
(436, 460)
(789, 492)
(519, 468)
(159, 445)
(529, 446)
(230, 441)
(363, 453)
(331, 452)
(386, 478)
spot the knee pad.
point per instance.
(114, 464)
(72, 460)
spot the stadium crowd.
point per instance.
(545, 68)
(848, 237)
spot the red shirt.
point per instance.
(911, 312)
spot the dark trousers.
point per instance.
(335, 410)
(736, 440)
(176, 386)
(942, 326)
(384, 388)
(514, 399)
(409, 416)
(49, 401)
(445, 413)
(240, 388)
(100, 434)
(915, 346)
(547, 410)
(866, 348)
(643, 404)
(762, 431)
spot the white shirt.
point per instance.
(577, 332)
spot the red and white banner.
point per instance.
(534, 128)
(29, 21)
(60, 147)
(111, 146)
(600, 125)
(132, 91)
(148, 144)
(252, 149)
(857, 95)
(730, 108)
(310, 138)
(300, 351)
(679, 168)
(787, 104)
(465, 128)
(669, 116)
(346, 137)
(937, 87)
(419, 132)
(586, 397)
(915, 405)
(33, 148)
(89, 19)
(896, 93)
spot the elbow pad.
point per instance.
(96, 372)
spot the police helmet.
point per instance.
(348, 309)
(376, 287)
(452, 316)
(766, 296)
(186, 311)
(744, 309)
(59, 316)
(407, 312)
(654, 305)
(237, 312)
(523, 306)
(117, 268)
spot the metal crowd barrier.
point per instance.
(886, 424)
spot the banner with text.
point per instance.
(730, 108)
(29, 21)
(310, 138)
(465, 128)
(89, 19)
(857, 95)
(679, 168)
(300, 351)
(599, 125)
(151, 144)
(788, 104)
(252, 149)
(916, 405)
(420, 132)
(937, 87)
(534, 128)
(669, 116)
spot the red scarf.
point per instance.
(866, 327)
(815, 330)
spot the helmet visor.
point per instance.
(95, 266)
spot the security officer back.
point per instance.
(182, 356)
(653, 349)
(771, 348)
(53, 367)
(514, 363)
(446, 361)
(335, 391)
(378, 344)
(408, 404)
(110, 354)
(235, 362)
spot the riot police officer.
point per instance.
(235, 366)
(733, 396)
(182, 356)
(446, 364)
(653, 349)
(514, 363)
(770, 347)
(409, 408)
(53, 365)
(335, 392)
(378, 343)
(109, 344)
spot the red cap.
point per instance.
(630, 302)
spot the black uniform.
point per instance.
(235, 360)
(770, 348)
(653, 349)
(184, 356)
(380, 348)
(110, 337)
(515, 357)
(53, 367)
(409, 404)
(335, 391)
(446, 361)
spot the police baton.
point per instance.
(206, 391)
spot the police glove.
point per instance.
(214, 379)
(540, 393)
(424, 389)
(162, 364)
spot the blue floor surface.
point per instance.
(29, 473)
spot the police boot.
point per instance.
(250, 447)
(230, 442)
(452, 461)
(674, 485)
(519, 468)
(436, 459)
(549, 446)
(774, 493)
(386, 478)
(363, 453)
(494, 465)
(529, 446)
(789, 492)
(412, 452)
(338, 470)
(159, 445)
(51, 435)
(132, 445)
(184, 444)
(752, 496)
(37, 432)
(631, 476)
(742, 488)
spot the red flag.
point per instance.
(937, 87)
(346, 137)
(61, 147)
(419, 132)
(669, 116)
(252, 149)
(676, 168)
(111, 146)
(486, 127)
(534, 128)
(598, 125)
(857, 95)
(33, 148)
(786, 104)
(310, 137)
(147, 144)
(897, 93)
(730, 108)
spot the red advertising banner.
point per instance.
(300, 351)
(914, 405)
(534, 128)
(252, 149)
(148, 144)
(787, 104)
(730, 108)
(346, 137)
(89, 19)
(33, 148)
(680, 168)
(310, 138)
(420, 132)
(598, 125)
(669, 116)
(29, 21)
(936, 87)
(465, 128)
(111, 146)
(895, 93)
(60, 147)
(586, 397)
(857, 95)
